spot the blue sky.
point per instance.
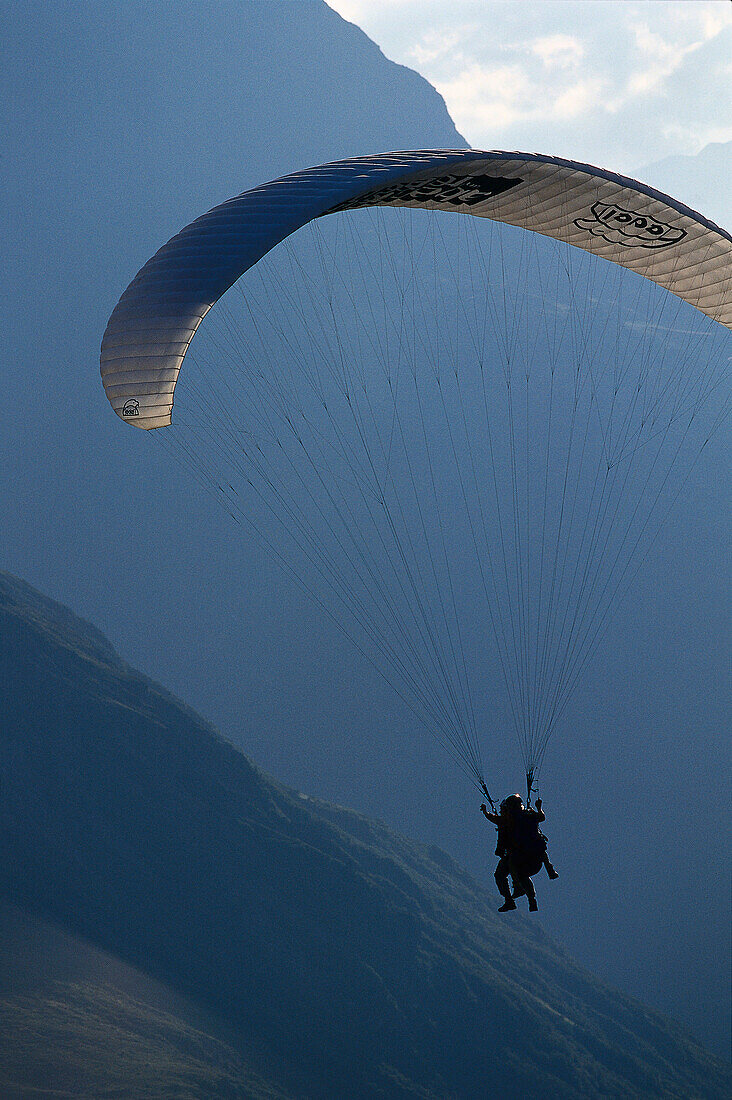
(616, 84)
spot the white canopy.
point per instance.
(619, 219)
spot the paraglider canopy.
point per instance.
(609, 215)
(447, 443)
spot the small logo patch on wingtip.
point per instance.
(131, 407)
(616, 225)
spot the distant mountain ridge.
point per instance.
(359, 962)
(701, 181)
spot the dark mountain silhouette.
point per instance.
(342, 959)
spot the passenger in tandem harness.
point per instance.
(522, 850)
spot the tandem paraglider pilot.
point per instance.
(521, 848)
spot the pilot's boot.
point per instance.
(507, 906)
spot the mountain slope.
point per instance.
(83, 1040)
(77, 1020)
(365, 964)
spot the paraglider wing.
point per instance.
(619, 219)
(464, 435)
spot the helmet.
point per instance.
(512, 804)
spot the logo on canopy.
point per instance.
(448, 190)
(619, 226)
(131, 407)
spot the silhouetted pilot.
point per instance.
(521, 847)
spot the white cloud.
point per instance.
(359, 11)
(558, 50)
(496, 98)
(441, 47)
(579, 99)
(489, 97)
(661, 57)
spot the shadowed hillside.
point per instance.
(359, 962)
(89, 1041)
(78, 1021)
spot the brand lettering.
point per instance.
(625, 227)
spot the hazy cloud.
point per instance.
(558, 50)
(617, 84)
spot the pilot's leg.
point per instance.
(501, 877)
(524, 885)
